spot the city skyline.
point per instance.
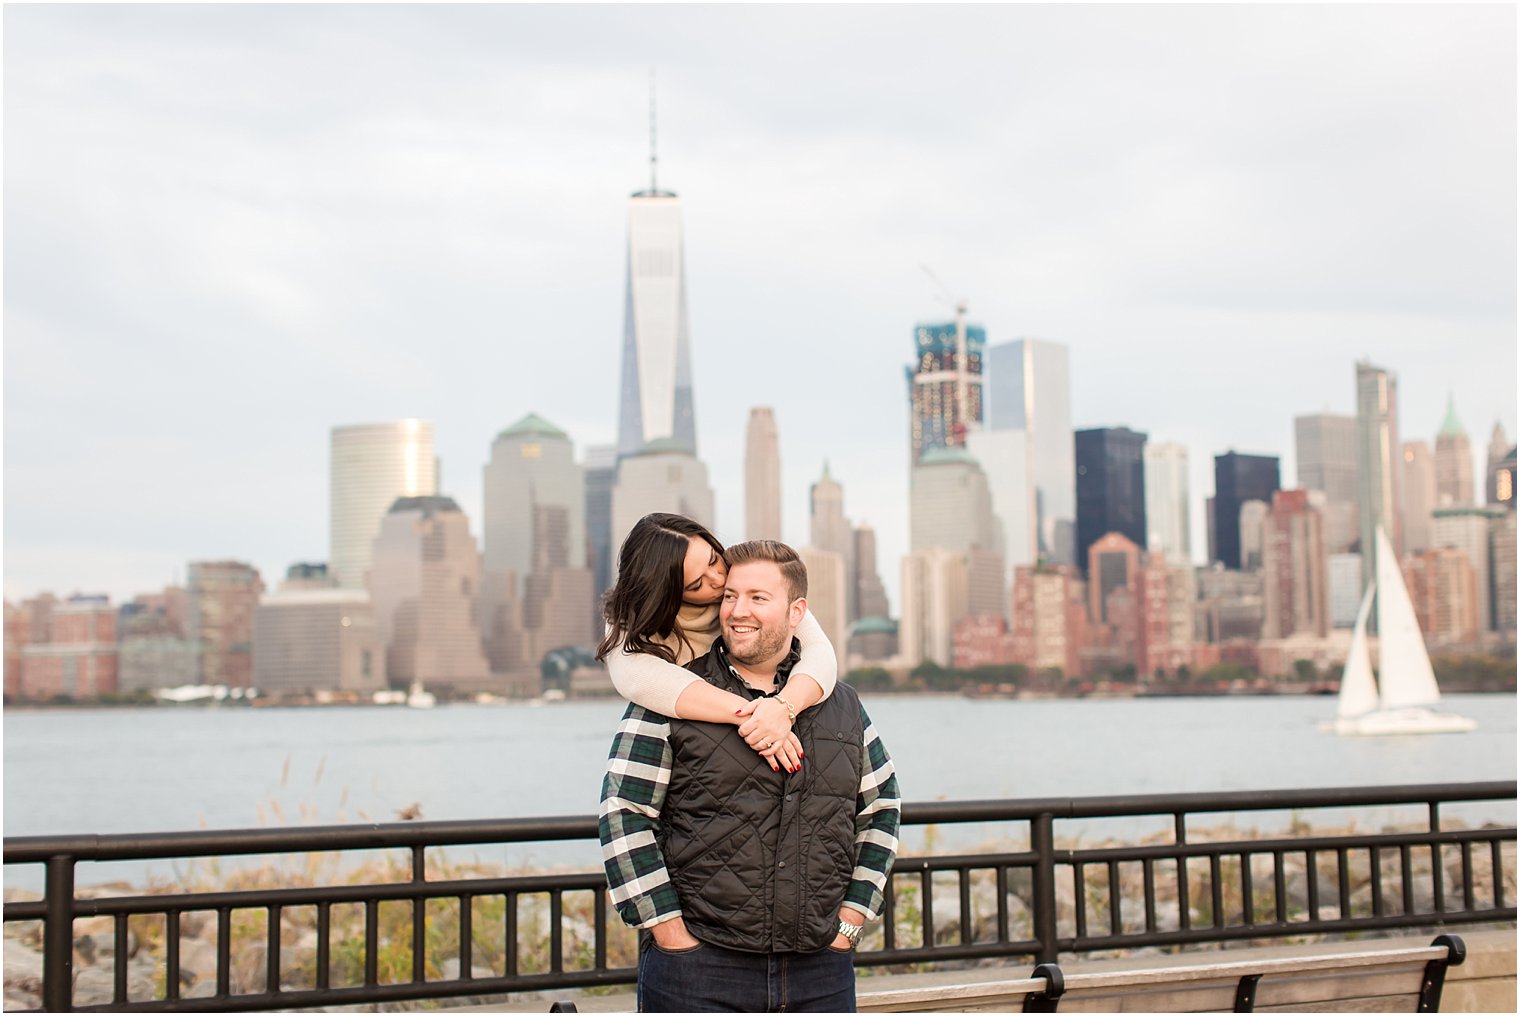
(202, 321)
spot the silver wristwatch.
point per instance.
(851, 932)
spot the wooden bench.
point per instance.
(1407, 979)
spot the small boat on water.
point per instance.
(1399, 699)
(419, 698)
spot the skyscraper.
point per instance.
(532, 464)
(1471, 530)
(1454, 462)
(1417, 476)
(1049, 618)
(1237, 479)
(223, 598)
(317, 639)
(1325, 447)
(1444, 593)
(1504, 481)
(1496, 490)
(870, 594)
(1295, 568)
(655, 396)
(762, 476)
(535, 587)
(945, 384)
(1377, 459)
(935, 592)
(1029, 391)
(827, 526)
(1110, 486)
(829, 529)
(663, 477)
(951, 506)
(1113, 563)
(424, 580)
(601, 477)
(1167, 521)
(1502, 542)
(1344, 573)
(951, 509)
(371, 465)
(828, 594)
(1003, 456)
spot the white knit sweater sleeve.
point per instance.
(818, 660)
(654, 684)
(648, 680)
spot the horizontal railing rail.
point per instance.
(1033, 903)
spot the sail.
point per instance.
(1404, 673)
(1358, 692)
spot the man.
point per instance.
(750, 886)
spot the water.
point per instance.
(142, 770)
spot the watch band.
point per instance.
(851, 932)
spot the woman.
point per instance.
(663, 612)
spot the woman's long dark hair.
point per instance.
(642, 608)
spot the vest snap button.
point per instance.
(781, 864)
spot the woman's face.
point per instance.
(704, 572)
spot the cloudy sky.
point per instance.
(228, 229)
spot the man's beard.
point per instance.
(764, 645)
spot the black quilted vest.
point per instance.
(760, 859)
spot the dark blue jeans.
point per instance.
(709, 978)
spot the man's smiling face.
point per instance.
(758, 615)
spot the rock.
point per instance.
(97, 985)
(197, 962)
(200, 989)
(84, 951)
(16, 1000)
(195, 923)
(23, 929)
(249, 968)
(97, 940)
(449, 970)
(94, 986)
(105, 945)
(93, 925)
(23, 968)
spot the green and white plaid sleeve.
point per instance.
(633, 791)
(878, 813)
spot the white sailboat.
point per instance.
(1400, 700)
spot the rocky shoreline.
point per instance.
(97, 950)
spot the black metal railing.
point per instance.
(1033, 903)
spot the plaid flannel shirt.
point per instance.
(633, 792)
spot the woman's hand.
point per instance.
(766, 726)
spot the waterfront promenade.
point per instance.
(429, 929)
(1485, 982)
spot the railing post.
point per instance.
(58, 936)
(1042, 841)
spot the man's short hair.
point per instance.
(793, 571)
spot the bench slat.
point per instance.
(1365, 980)
(1267, 968)
(898, 996)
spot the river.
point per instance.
(142, 770)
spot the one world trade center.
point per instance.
(655, 393)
